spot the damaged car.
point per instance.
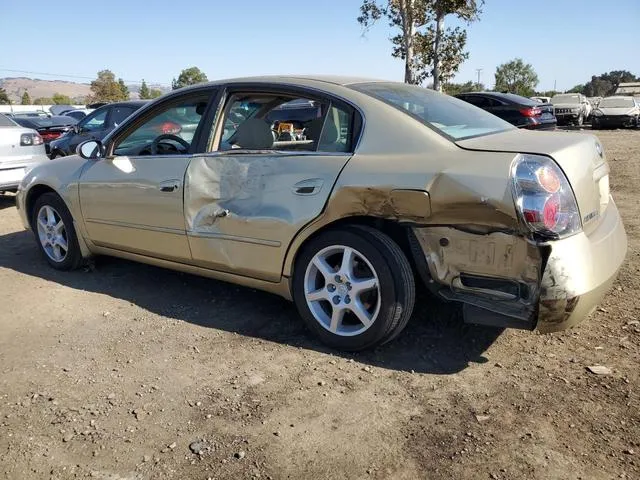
(617, 112)
(377, 186)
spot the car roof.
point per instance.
(127, 103)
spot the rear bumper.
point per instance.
(579, 272)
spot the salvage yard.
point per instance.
(125, 371)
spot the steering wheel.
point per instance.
(167, 136)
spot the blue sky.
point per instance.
(565, 40)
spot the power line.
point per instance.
(75, 76)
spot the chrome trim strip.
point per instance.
(235, 238)
(173, 231)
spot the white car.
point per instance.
(541, 99)
(21, 149)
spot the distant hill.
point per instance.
(37, 88)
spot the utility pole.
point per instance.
(478, 71)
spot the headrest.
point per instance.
(253, 134)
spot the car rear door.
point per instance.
(244, 204)
(132, 200)
(92, 127)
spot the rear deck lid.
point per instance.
(580, 156)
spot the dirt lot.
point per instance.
(114, 373)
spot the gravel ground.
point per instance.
(131, 372)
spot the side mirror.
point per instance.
(90, 150)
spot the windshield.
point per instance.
(454, 118)
(566, 99)
(614, 102)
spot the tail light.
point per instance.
(169, 128)
(30, 139)
(48, 136)
(543, 197)
(531, 112)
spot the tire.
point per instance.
(580, 120)
(52, 233)
(55, 155)
(385, 308)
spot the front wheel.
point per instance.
(354, 288)
(580, 120)
(53, 227)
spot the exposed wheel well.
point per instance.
(395, 230)
(35, 192)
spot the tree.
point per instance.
(425, 45)
(43, 101)
(4, 98)
(124, 89)
(106, 89)
(577, 89)
(607, 83)
(60, 99)
(154, 93)
(516, 77)
(189, 76)
(26, 99)
(457, 88)
(144, 91)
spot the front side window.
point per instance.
(119, 114)
(285, 123)
(95, 121)
(169, 131)
(450, 116)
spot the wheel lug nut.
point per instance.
(336, 300)
(347, 299)
(331, 287)
(338, 279)
(348, 285)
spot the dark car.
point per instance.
(519, 111)
(49, 128)
(94, 126)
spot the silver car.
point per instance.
(21, 149)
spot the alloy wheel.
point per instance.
(52, 233)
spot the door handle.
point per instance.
(308, 187)
(170, 186)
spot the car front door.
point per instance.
(132, 200)
(272, 165)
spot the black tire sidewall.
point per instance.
(74, 256)
(375, 252)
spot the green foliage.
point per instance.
(26, 99)
(144, 91)
(428, 48)
(189, 76)
(154, 93)
(106, 89)
(577, 89)
(123, 89)
(60, 99)
(516, 77)
(606, 84)
(458, 88)
(4, 98)
(43, 101)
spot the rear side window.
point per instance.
(6, 121)
(453, 118)
(263, 121)
(118, 114)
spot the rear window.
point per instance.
(512, 97)
(6, 121)
(450, 116)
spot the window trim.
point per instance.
(143, 114)
(286, 89)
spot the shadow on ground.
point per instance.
(443, 344)
(7, 201)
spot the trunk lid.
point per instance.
(10, 142)
(580, 156)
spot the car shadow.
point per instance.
(443, 344)
(7, 201)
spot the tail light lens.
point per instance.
(169, 128)
(543, 197)
(531, 112)
(30, 139)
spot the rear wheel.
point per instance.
(53, 227)
(354, 288)
(580, 120)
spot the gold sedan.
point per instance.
(372, 186)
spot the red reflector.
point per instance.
(550, 212)
(531, 112)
